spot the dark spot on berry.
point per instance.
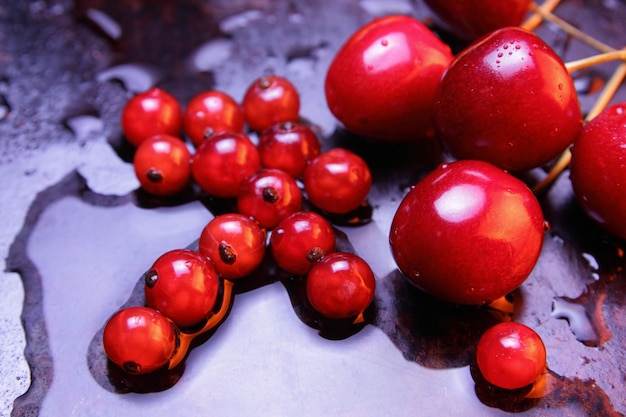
(227, 253)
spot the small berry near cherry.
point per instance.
(270, 99)
(212, 112)
(288, 146)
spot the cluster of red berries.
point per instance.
(184, 288)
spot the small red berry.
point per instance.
(288, 146)
(162, 165)
(212, 112)
(150, 113)
(269, 100)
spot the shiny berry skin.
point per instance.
(183, 285)
(467, 233)
(337, 181)
(300, 240)
(235, 243)
(139, 339)
(162, 165)
(382, 82)
(511, 355)
(212, 112)
(150, 113)
(270, 99)
(288, 146)
(471, 19)
(509, 100)
(269, 196)
(598, 169)
(340, 286)
(223, 161)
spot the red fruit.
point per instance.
(223, 161)
(151, 113)
(183, 285)
(507, 99)
(340, 286)
(511, 355)
(382, 82)
(269, 100)
(139, 339)
(337, 181)
(468, 233)
(162, 165)
(235, 243)
(212, 112)
(598, 169)
(288, 146)
(269, 196)
(471, 19)
(300, 240)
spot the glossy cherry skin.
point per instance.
(150, 113)
(235, 243)
(507, 99)
(511, 355)
(337, 181)
(598, 169)
(382, 82)
(183, 285)
(270, 99)
(467, 233)
(162, 164)
(139, 339)
(223, 161)
(300, 240)
(212, 112)
(470, 19)
(340, 286)
(269, 196)
(288, 146)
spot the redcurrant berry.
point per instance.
(211, 112)
(288, 146)
(340, 286)
(269, 100)
(139, 339)
(300, 240)
(162, 165)
(223, 161)
(235, 243)
(150, 113)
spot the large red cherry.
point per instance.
(468, 233)
(507, 99)
(598, 169)
(382, 81)
(468, 20)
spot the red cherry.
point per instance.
(511, 355)
(151, 113)
(288, 146)
(598, 169)
(507, 99)
(471, 19)
(139, 339)
(235, 243)
(223, 161)
(162, 165)
(468, 233)
(300, 240)
(340, 286)
(211, 112)
(269, 100)
(183, 285)
(382, 82)
(269, 196)
(337, 181)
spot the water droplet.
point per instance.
(211, 55)
(134, 77)
(518, 46)
(579, 321)
(84, 125)
(560, 86)
(239, 20)
(497, 61)
(500, 54)
(384, 42)
(506, 46)
(510, 52)
(370, 67)
(105, 23)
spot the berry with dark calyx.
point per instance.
(467, 233)
(270, 99)
(288, 146)
(300, 240)
(509, 100)
(212, 112)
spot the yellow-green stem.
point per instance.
(536, 18)
(596, 60)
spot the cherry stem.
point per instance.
(213, 321)
(596, 60)
(603, 100)
(537, 17)
(570, 29)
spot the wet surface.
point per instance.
(78, 235)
